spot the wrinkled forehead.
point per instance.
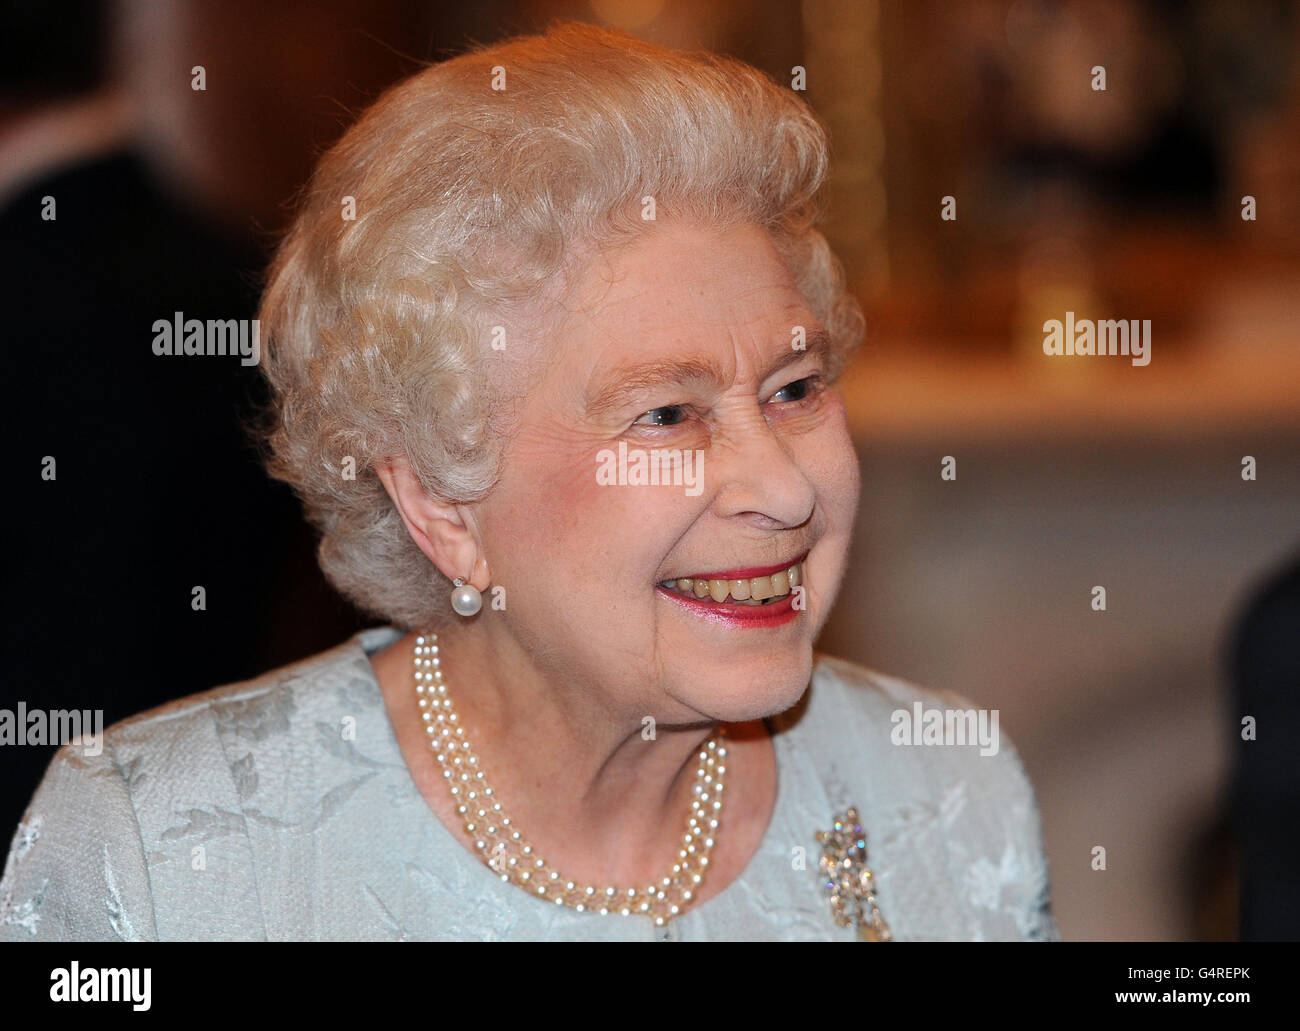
(680, 290)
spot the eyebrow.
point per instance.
(626, 382)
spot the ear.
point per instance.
(445, 533)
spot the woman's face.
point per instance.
(683, 341)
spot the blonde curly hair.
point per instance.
(469, 200)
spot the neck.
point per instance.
(572, 767)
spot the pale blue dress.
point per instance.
(245, 813)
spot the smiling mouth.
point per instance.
(733, 588)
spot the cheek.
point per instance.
(550, 522)
(831, 464)
(832, 467)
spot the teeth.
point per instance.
(753, 591)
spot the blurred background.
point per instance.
(1071, 472)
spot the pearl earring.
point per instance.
(466, 599)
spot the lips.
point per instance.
(745, 574)
(754, 585)
(774, 612)
(753, 596)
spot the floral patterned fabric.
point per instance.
(282, 809)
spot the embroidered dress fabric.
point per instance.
(281, 809)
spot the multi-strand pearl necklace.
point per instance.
(503, 847)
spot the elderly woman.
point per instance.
(552, 344)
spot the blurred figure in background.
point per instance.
(1266, 668)
(122, 457)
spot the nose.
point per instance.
(758, 478)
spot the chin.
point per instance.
(746, 694)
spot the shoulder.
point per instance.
(254, 708)
(207, 751)
(74, 869)
(936, 773)
(191, 738)
(865, 710)
(114, 823)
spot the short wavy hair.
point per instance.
(469, 200)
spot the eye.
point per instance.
(670, 415)
(800, 389)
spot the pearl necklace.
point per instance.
(506, 852)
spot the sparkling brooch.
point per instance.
(850, 885)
